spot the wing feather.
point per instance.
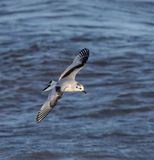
(48, 105)
(77, 64)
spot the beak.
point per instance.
(84, 92)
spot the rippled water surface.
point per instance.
(38, 40)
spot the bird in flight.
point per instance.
(66, 83)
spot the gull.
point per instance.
(66, 83)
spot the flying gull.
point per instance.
(66, 83)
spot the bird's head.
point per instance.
(79, 87)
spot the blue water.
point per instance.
(115, 119)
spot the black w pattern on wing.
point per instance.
(83, 57)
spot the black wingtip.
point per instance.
(38, 120)
(84, 54)
(85, 51)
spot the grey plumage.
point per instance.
(49, 104)
(66, 83)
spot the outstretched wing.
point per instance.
(48, 105)
(77, 65)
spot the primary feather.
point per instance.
(49, 104)
(77, 64)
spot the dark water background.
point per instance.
(38, 40)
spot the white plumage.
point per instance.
(66, 83)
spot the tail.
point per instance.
(51, 84)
